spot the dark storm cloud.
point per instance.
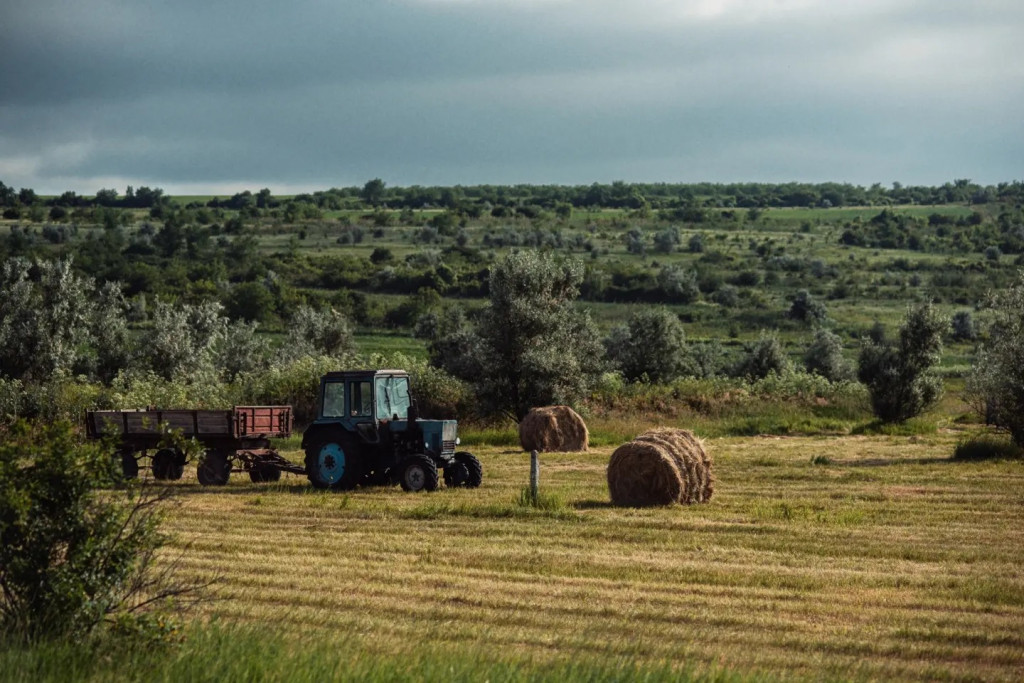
(315, 94)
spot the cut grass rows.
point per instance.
(889, 560)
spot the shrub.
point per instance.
(665, 241)
(963, 326)
(651, 344)
(763, 357)
(898, 374)
(727, 296)
(311, 331)
(678, 284)
(72, 557)
(806, 308)
(987, 447)
(824, 357)
(995, 386)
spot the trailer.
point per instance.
(236, 440)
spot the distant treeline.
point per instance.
(500, 199)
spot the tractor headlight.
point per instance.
(457, 441)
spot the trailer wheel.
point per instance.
(419, 473)
(129, 465)
(473, 467)
(214, 470)
(331, 463)
(168, 463)
(264, 472)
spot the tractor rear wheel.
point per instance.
(332, 463)
(214, 470)
(473, 467)
(168, 463)
(419, 473)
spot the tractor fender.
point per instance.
(316, 431)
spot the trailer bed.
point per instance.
(234, 440)
(241, 422)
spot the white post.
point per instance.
(534, 475)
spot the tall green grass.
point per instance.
(248, 654)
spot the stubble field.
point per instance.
(872, 557)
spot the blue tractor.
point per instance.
(367, 433)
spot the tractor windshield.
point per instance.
(393, 398)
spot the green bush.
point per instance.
(824, 356)
(899, 374)
(996, 384)
(987, 447)
(651, 345)
(762, 358)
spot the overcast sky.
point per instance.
(222, 95)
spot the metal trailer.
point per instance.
(236, 440)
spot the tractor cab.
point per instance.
(367, 431)
(364, 401)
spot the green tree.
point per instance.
(180, 344)
(318, 332)
(373, 192)
(45, 315)
(251, 302)
(898, 374)
(113, 342)
(995, 386)
(530, 346)
(651, 344)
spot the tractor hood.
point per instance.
(439, 436)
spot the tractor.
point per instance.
(367, 433)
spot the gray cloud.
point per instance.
(318, 94)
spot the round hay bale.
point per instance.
(553, 428)
(643, 473)
(693, 461)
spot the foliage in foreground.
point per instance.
(228, 654)
(73, 556)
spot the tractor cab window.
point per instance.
(362, 399)
(393, 397)
(334, 399)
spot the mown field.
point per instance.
(848, 557)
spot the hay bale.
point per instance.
(690, 450)
(553, 428)
(643, 473)
(660, 467)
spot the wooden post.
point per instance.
(534, 475)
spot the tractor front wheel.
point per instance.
(419, 473)
(331, 464)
